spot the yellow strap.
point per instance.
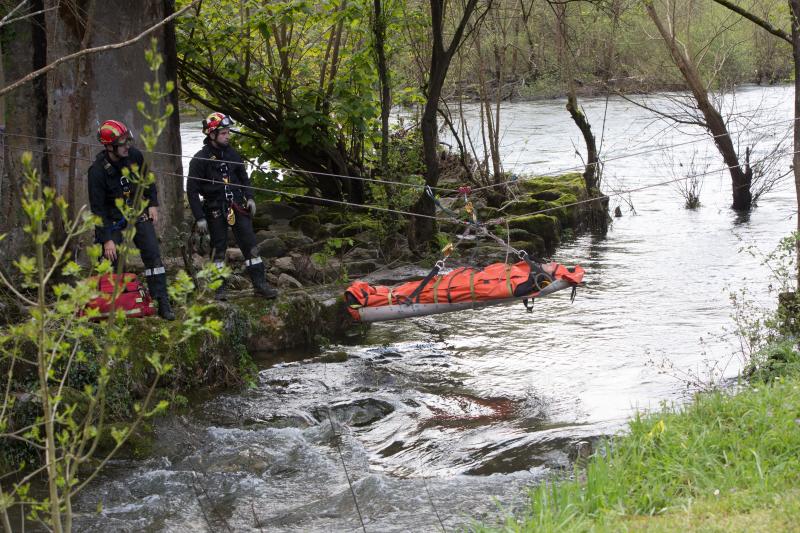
(390, 296)
(508, 280)
(436, 289)
(472, 285)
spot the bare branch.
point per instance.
(35, 74)
(11, 13)
(755, 19)
(13, 289)
(5, 22)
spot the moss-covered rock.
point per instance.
(262, 221)
(545, 226)
(358, 226)
(535, 246)
(526, 206)
(308, 224)
(571, 182)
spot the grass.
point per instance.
(722, 463)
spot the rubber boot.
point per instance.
(258, 275)
(157, 284)
(221, 294)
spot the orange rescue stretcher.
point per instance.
(462, 288)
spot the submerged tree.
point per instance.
(793, 39)
(709, 116)
(591, 173)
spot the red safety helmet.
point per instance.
(216, 121)
(113, 132)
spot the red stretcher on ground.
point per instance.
(462, 288)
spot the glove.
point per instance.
(201, 226)
(251, 205)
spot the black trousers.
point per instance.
(242, 232)
(146, 241)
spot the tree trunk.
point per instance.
(740, 178)
(379, 29)
(590, 172)
(794, 6)
(79, 99)
(24, 51)
(423, 227)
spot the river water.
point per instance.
(436, 422)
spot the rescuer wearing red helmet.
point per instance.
(106, 184)
(217, 174)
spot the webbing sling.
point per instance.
(415, 295)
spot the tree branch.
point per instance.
(755, 19)
(35, 74)
(6, 21)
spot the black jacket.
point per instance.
(210, 164)
(105, 186)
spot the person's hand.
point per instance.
(201, 226)
(152, 212)
(110, 250)
(251, 205)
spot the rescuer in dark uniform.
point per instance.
(106, 184)
(217, 174)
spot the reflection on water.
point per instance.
(436, 418)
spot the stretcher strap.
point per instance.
(390, 296)
(472, 285)
(414, 296)
(436, 289)
(450, 283)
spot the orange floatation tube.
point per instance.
(462, 288)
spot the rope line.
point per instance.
(625, 155)
(441, 219)
(346, 473)
(421, 215)
(249, 163)
(551, 173)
